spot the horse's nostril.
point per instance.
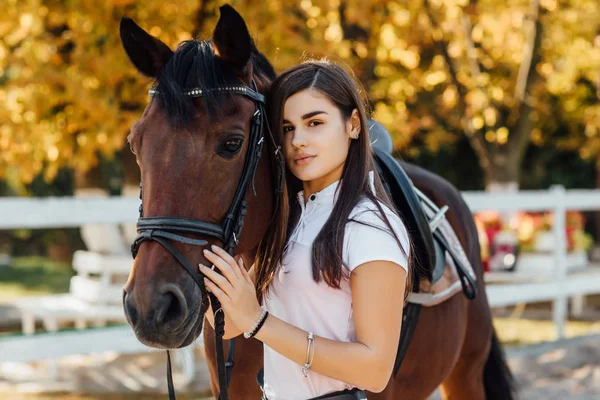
(129, 308)
(171, 307)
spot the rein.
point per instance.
(165, 230)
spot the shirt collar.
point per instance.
(328, 196)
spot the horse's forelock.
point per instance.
(195, 65)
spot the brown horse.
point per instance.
(191, 153)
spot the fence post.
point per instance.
(560, 310)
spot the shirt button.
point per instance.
(312, 197)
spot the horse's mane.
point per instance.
(195, 65)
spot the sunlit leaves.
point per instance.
(68, 91)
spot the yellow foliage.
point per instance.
(68, 91)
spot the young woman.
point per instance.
(326, 292)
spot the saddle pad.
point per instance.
(449, 284)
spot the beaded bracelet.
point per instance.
(258, 325)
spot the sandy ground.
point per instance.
(567, 369)
(135, 376)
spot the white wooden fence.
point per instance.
(73, 212)
(562, 285)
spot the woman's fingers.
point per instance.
(243, 270)
(224, 263)
(217, 279)
(214, 289)
(223, 254)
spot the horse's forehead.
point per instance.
(234, 110)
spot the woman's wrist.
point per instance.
(263, 332)
(253, 320)
(258, 324)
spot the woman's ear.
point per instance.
(353, 125)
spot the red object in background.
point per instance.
(491, 233)
(490, 224)
(486, 265)
(570, 243)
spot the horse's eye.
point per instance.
(130, 144)
(230, 147)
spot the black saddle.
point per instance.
(429, 248)
(408, 204)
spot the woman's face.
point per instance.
(316, 136)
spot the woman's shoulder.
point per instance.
(369, 210)
(368, 236)
(368, 214)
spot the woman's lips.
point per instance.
(304, 160)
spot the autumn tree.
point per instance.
(503, 73)
(68, 93)
(489, 70)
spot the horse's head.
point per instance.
(192, 150)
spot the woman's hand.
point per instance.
(234, 288)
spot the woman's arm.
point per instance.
(231, 330)
(378, 300)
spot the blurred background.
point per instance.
(502, 98)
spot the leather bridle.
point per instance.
(168, 229)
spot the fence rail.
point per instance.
(66, 212)
(73, 212)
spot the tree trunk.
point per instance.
(89, 179)
(199, 18)
(502, 172)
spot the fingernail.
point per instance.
(206, 251)
(201, 266)
(215, 248)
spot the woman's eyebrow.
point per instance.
(307, 116)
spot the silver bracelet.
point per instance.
(259, 321)
(310, 354)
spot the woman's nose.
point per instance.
(299, 139)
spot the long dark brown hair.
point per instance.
(327, 259)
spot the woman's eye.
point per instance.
(230, 147)
(287, 129)
(314, 123)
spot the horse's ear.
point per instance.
(147, 53)
(231, 39)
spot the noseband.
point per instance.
(168, 229)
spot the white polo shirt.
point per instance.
(297, 299)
